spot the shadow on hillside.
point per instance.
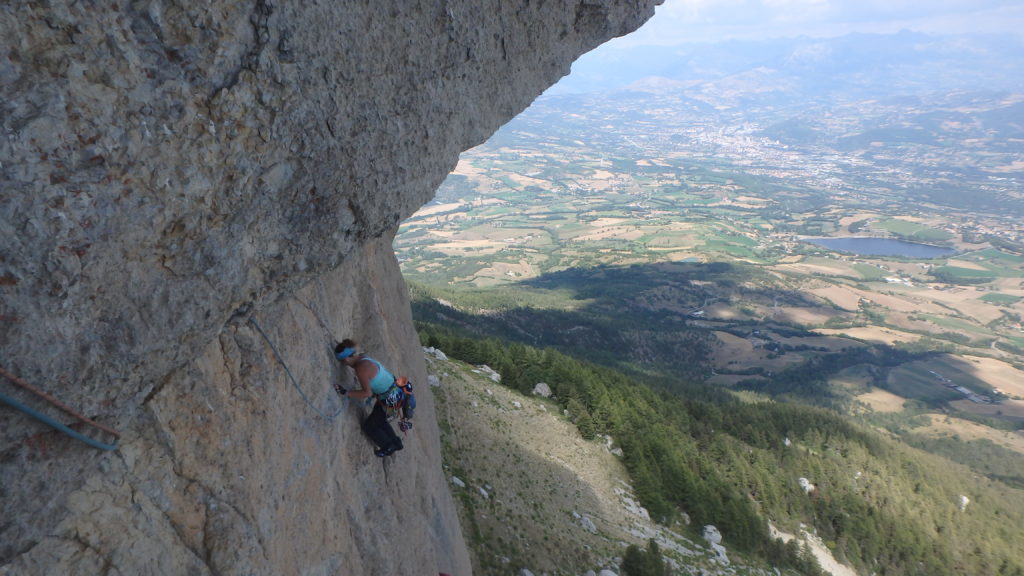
(983, 387)
(650, 316)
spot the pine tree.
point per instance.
(637, 562)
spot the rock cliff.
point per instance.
(176, 176)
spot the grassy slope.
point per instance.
(541, 478)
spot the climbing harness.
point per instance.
(399, 401)
(53, 422)
(324, 415)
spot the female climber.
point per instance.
(393, 397)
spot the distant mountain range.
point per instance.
(857, 66)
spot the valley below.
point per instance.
(602, 222)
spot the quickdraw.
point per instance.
(399, 401)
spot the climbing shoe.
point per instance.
(395, 447)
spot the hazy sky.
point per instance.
(678, 21)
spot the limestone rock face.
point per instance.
(227, 469)
(170, 170)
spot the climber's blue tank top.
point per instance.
(383, 381)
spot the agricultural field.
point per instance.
(516, 227)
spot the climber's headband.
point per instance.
(345, 353)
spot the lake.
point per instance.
(881, 247)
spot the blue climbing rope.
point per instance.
(55, 423)
(324, 415)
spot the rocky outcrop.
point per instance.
(542, 390)
(714, 539)
(170, 170)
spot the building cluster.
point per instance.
(969, 394)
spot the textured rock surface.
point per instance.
(170, 169)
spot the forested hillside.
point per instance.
(739, 460)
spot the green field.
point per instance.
(1001, 299)
(868, 272)
(958, 275)
(914, 231)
